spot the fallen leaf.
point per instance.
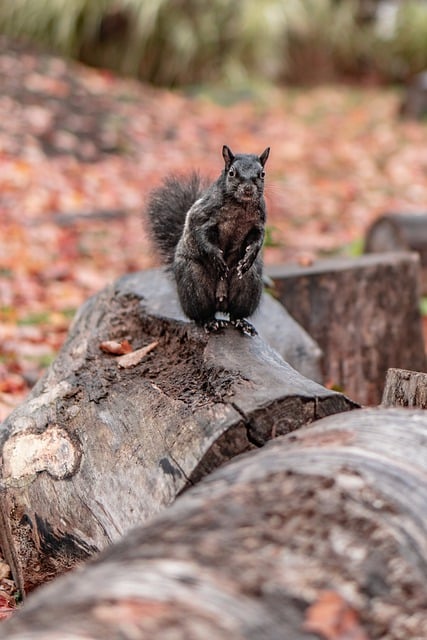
(333, 618)
(12, 383)
(4, 570)
(132, 611)
(116, 348)
(134, 358)
(7, 605)
(5, 612)
(305, 260)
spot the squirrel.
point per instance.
(210, 236)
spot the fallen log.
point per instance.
(101, 445)
(405, 389)
(363, 313)
(320, 534)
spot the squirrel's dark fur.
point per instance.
(211, 236)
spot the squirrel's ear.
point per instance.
(264, 155)
(228, 156)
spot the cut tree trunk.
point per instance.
(320, 534)
(414, 104)
(400, 232)
(405, 389)
(100, 446)
(364, 314)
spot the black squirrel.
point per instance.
(210, 236)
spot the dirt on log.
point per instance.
(100, 446)
(320, 534)
(363, 312)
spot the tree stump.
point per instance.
(100, 446)
(405, 389)
(400, 232)
(364, 314)
(320, 534)
(414, 104)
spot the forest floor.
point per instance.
(80, 149)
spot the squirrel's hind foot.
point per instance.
(244, 327)
(215, 325)
(240, 324)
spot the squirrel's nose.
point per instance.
(248, 189)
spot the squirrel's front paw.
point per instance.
(242, 266)
(220, 266)
(246, 262)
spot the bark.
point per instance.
(405, 389)
(364, 314)
(320, 534)
(99, 447)
(400, 232)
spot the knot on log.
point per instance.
(53, 451)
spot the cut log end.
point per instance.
(405, 388)
(363, 313)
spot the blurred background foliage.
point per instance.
(192, 42)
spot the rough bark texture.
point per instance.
(400, 232)
(97, 448)
(405, 389)
(333, 513)
(364, 314)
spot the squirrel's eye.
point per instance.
(262, 174)
(232, 172)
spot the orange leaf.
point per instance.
(7, 605)
(134, 358)
(333, 618)
(115, 347)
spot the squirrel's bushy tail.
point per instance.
(167, 208)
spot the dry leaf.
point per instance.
(131, 610)
(134, 358)
(7, 605)
(116, 348)
(305, 260)
(5, 612)
(333, 618)
(4, 570)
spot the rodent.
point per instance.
(210, 236)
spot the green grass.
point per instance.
(423, 306)
(44, 361)
(270, 239)
(355, 248)
(34, 319)
(197, 42)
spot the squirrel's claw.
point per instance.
(244, 326)
(215, 325)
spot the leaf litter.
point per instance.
(80, 149)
